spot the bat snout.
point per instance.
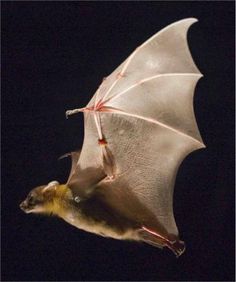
(25, 207)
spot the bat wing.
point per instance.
(140, 123)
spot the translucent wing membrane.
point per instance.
(165, 52)
(144, 111)
(168, 101)
(148, 164)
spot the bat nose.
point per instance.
(23, 205)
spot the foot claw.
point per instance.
(68, 113)
(177, 247)
(75, 111)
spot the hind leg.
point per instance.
(157, 240)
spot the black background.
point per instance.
(54, 55)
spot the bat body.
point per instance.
(139, 126)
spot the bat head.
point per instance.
(40, 198)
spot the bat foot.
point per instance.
(153, 238)
(177, 247)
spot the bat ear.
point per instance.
(50, 189)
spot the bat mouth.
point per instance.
(28, 208)
(25, 208)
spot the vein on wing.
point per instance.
(117, 111)
(115, 96)
(192, 20)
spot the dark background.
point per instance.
(54, 56)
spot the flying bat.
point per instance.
(139, 126)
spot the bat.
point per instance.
(139, 126)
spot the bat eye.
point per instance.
(31, 200)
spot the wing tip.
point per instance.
(187, 21)
(190, 21)
(203, 145)
(200, 144)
